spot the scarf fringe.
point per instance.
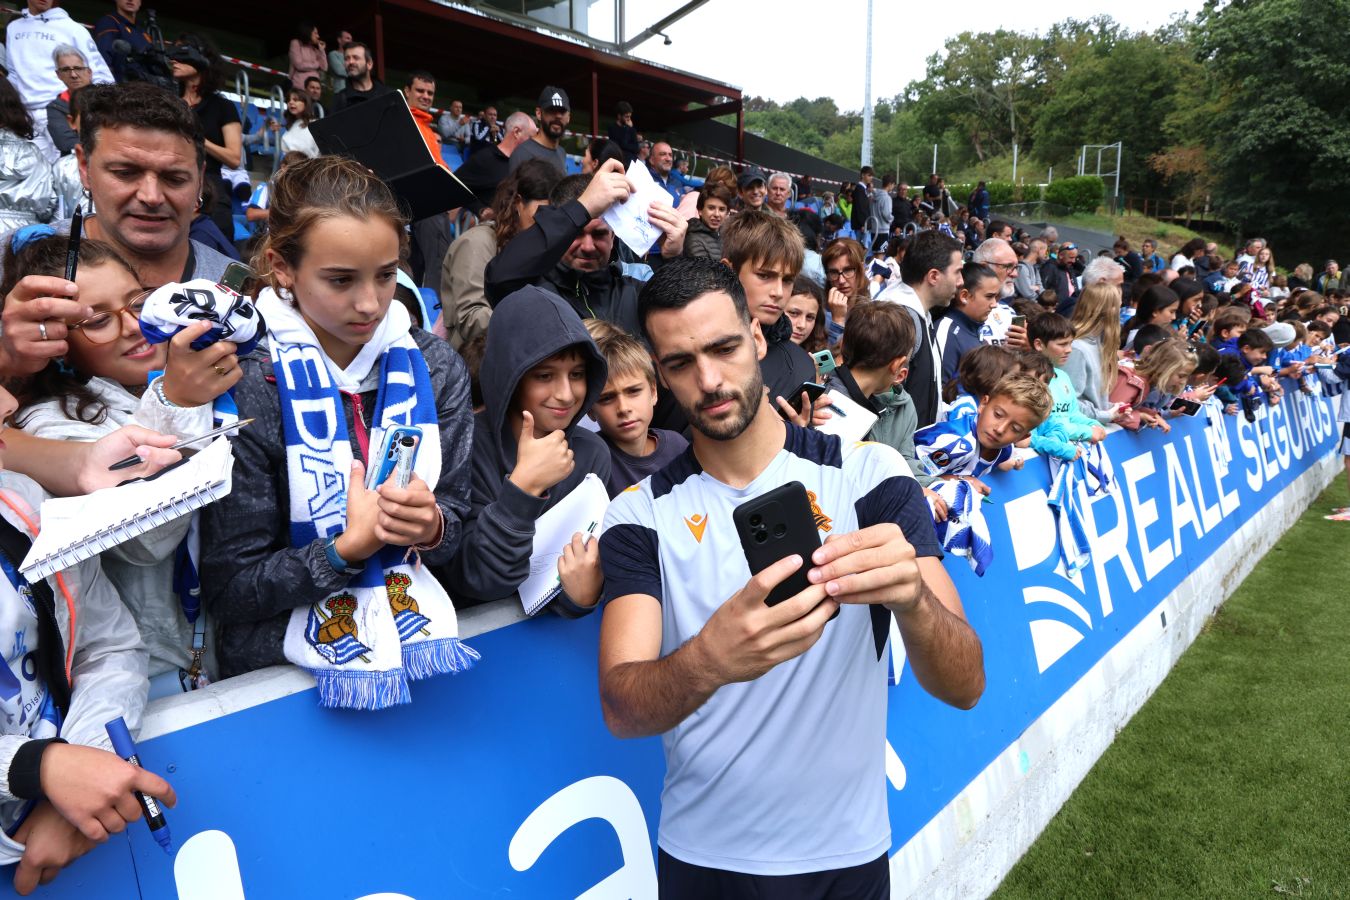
(361, 690)
(438, 657)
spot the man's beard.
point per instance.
(746, 406)
(554, 130)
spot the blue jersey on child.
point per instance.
(951, 448)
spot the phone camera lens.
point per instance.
(779, 530)
(756, 519)
(761, 536)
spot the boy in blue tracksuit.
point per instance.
(1051, 335)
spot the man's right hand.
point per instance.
(609, 185)
(92, 788)
(745, 638)
(540, 462)
(37, 300)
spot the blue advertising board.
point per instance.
(505, 781)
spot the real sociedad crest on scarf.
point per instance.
(332, 630)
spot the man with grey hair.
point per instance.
(489, 166)
(74, 72)
(780, 189)
(1104, 270)
(1050, 235)
(998, 254)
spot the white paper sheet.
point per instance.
(628, 220)
(848, 420)
(581, 510)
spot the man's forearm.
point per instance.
(944, 650)
(653, 696)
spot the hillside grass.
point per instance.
(1231, 781)
(1168, 236)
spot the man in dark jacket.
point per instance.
(862, 200)
(568, 250)
(622, 132)
(361, 84)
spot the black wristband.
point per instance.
(25, 770)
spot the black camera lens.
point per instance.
(779, 530)
(756, 519)
(761, 536)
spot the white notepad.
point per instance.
(849, 420)
(581, 510)
(77, 528)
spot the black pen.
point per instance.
(136, 460)
(73, 245)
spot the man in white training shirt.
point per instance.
(773, 719)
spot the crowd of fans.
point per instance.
(976, 345)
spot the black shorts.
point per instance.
(679, 880)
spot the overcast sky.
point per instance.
(818, 47)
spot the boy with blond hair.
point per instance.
(624, 409)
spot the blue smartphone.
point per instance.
(393, 448)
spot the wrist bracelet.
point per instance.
(158, 388)
(340, 565)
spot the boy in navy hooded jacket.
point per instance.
(541, 373)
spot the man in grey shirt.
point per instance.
(141, 159)
(554, 112)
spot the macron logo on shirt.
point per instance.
(697, 523)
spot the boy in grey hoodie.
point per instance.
(541, 373)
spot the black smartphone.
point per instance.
(1019, 321)
(776, 524)
(812, 390)
(1187, 407)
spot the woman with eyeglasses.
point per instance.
(26, 191)
(846, 281)
(103, 383)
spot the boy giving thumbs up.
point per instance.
(541, 373)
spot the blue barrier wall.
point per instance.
(505, 780)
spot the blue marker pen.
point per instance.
(125, 747)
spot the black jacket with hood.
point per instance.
(535, 257)
(494, 553)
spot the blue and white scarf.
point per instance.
(173, 306)
(394, 622)
(965, 531)
(1072, 483)
(168, 310)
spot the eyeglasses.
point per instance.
(71, 70)
(1006, 267)
(836, 274)
(104, 327)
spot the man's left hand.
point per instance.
(872, 565)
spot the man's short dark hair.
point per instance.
(421, 75)
(887, 180)
(313, 78)
(136, 104)
(682, 281)
(624, 108)
(927, 251)
(1255, 339)
(569, 189)
(369, 56)
(996, 226)
(865, 170)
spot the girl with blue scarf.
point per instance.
(304, 562)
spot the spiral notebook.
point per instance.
(77, 528)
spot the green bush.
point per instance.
(1083, 193)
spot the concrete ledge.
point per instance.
(967, 849)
